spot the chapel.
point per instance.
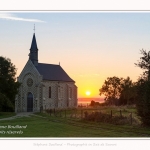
(44, 86)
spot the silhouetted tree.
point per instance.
(111, 89)
(8, 85)
(119, 91)
(143, 89)
(93, 103)
(144, 63)
(128, 91)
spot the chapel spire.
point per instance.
(33, 56)
(33, 44)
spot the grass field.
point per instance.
(44, 125)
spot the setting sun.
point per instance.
(88, 93)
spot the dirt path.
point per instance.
(18, 115)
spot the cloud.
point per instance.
(9, 16)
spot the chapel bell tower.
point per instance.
(33, 56)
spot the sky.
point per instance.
(90, 46)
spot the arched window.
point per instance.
(50, 92)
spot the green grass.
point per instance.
(6, 114)
(46, 126)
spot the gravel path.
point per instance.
(18, 115)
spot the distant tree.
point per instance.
(111, 89)
(94, 104)
(143, 89)
(8, 85)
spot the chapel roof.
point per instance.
(53, 72)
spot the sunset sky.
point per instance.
(90, 46)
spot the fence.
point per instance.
(95, 114)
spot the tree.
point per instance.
(93, 103)
(111, 89)
(128, 92)
(8, 85)
(144, 63)
(119, 91)
(143, 102)
(143, 89)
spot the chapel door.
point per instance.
(29, 102)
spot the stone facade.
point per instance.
(38, 93)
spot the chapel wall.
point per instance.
(59, 95)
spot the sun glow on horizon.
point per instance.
(88, 93)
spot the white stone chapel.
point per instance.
(44, 86)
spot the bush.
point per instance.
(5, 104)
(107, 118)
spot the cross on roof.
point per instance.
(34, 28)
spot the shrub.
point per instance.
(107, 118)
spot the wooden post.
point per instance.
(65, 113)
(54, 111)
(120, 113)
(81, 114)
(131, 118)
(60, 113)
(50, 112)
(70, 113)
(75, 112)
(111, 113)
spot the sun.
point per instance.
(88, 93)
